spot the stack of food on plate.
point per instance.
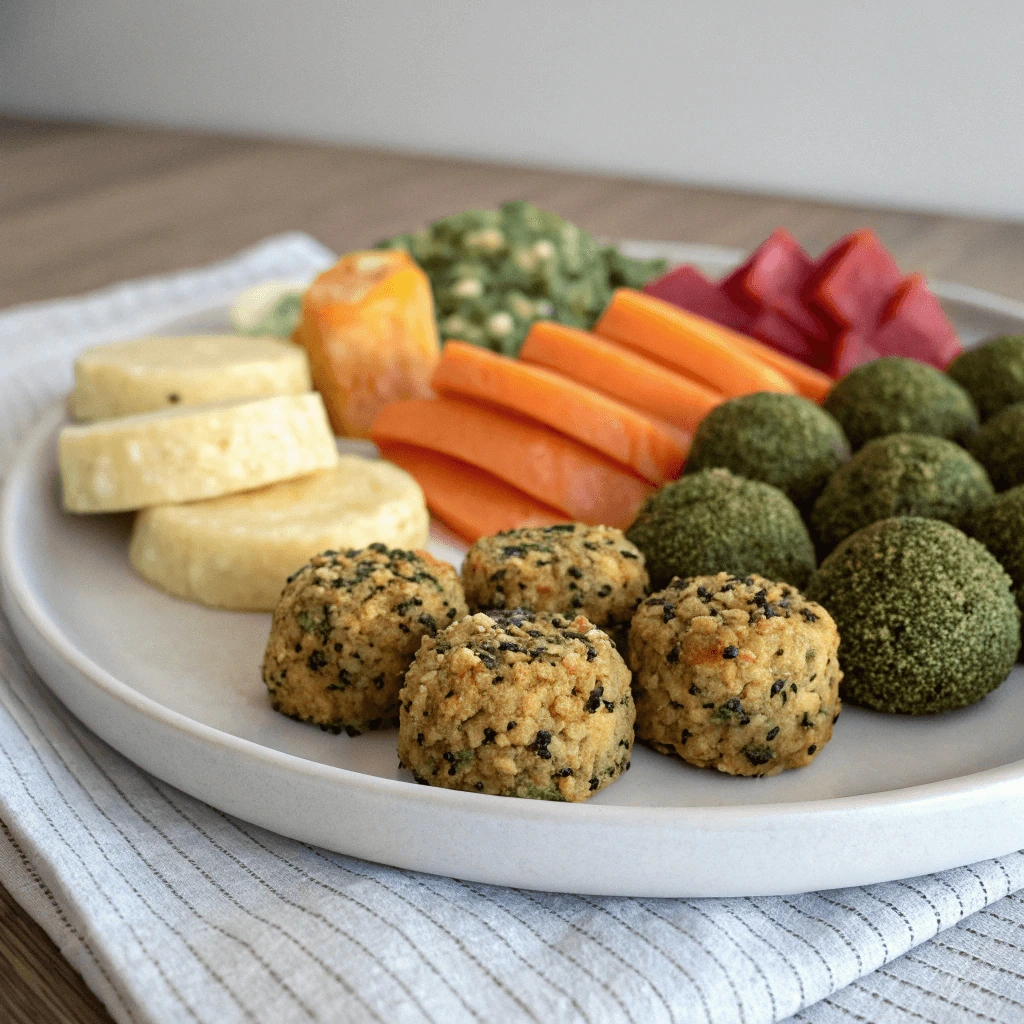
(700, 512)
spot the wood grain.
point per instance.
(84, 206)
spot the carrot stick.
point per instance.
(584, 484)
(470, 501)
(809, 382)
(648, 448)
(698, 347)
(620, 373)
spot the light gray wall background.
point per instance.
(905, 102)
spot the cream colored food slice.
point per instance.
(238, 552)
(190, 453)
(128, 377)
(270, 309)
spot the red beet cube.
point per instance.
(914, 324)
(687, 288)
(853, 282)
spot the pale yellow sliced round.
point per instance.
(186, 454)
(128, 377)
(238, 552)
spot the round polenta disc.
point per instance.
(238, 551)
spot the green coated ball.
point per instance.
(894, 395)
(999, 447)
(926, 616)
(992, 373)
(899, 475)
(714, 521)
(783, 440)
(999, 525)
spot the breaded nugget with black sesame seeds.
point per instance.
(346, 630)
(741, 675)
(570, 569)
(520, 704)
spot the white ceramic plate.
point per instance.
(176, 688)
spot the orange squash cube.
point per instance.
(368, 326)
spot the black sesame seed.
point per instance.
(298, 648)
(591, 653)
(812, 748)
(510, 726)
(574, 572)
(594, 783)
(686, 734)
(695, 690)
(808, 615)
(731, 652)
(629, 554)
(562, 773)
(772, 734)
(776, 686)
(792, 686)
(704, 594)
(419, 738)
(478, 786)
(489, 735)
(608, 705)
(316, 661)
(594, 701)
(604, 591)
(673, 656)
(710, 704)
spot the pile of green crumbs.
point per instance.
(494, 272)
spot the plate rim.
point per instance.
(984, 796)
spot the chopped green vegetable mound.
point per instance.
(926, 617)
(894, 395)
(999, 447)
(714, 522)
(783, 440)
(899, 475)
(494, 272)
(992, 373)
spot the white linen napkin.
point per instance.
(173, 911)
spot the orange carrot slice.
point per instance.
(622, 433)
(584, 484)
(698, 347)
(469, 500)
(809, 382)
(621, 373)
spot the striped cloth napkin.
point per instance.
(173, 911)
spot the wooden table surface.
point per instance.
(85, 206)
